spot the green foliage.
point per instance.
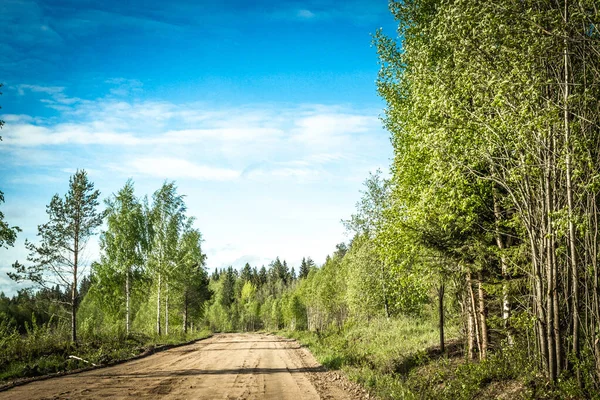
(8, 234)
(45, 348)
(492, 108)
(294, 312)
(56, 260)
(372, 354)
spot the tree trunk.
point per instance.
(504, 269)
(185, 311)
(158, 331)
(596, 302)
(550, 345)
(441, 315)
(596, 290)
(540, 320)
(550, 260)
(167, 307)
(568, 176)
(483, 318)
(474, 312)
(555, 303)
(74, 289)
(470, 330)
(127, 294)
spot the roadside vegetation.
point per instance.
(471, 268)
(48, 349)
(146, 290)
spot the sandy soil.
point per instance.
(226, 366)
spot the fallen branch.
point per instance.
(81, 359)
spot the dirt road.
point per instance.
(226, 366)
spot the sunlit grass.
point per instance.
(374, 353)
(393, 359)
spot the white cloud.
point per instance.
(336, 123)
(158, 138)
(30, 135)
(52, 90)
(17, 118)
(232, 130)
(174, 168)
(249, 133)
(305, 14)
(303, 171)
(56, 94)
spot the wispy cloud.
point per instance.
(51, 90)
(163, 139)
(361, 12)
(124, 87)
(305, 14)
(30, 135)
(56, 94)
(174, 168)
(301, 170)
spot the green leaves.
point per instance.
(8, 234)
(126, 237)
(71, 221)
(56, 260)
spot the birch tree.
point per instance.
(167, 217)
(124, 242)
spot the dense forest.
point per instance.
(486, 225)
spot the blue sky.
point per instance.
(265, 113)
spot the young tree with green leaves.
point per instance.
(56, 260)
(167, 217)
(125, 242)
(190, 274)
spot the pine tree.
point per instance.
(246, 274)
(56, 260)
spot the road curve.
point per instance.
(225, 366)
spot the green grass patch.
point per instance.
(45, 349)
(398, 359)
(375, 354)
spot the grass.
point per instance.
(45, 349)
(376, 354)
(401, 359)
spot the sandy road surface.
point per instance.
(226, 366)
